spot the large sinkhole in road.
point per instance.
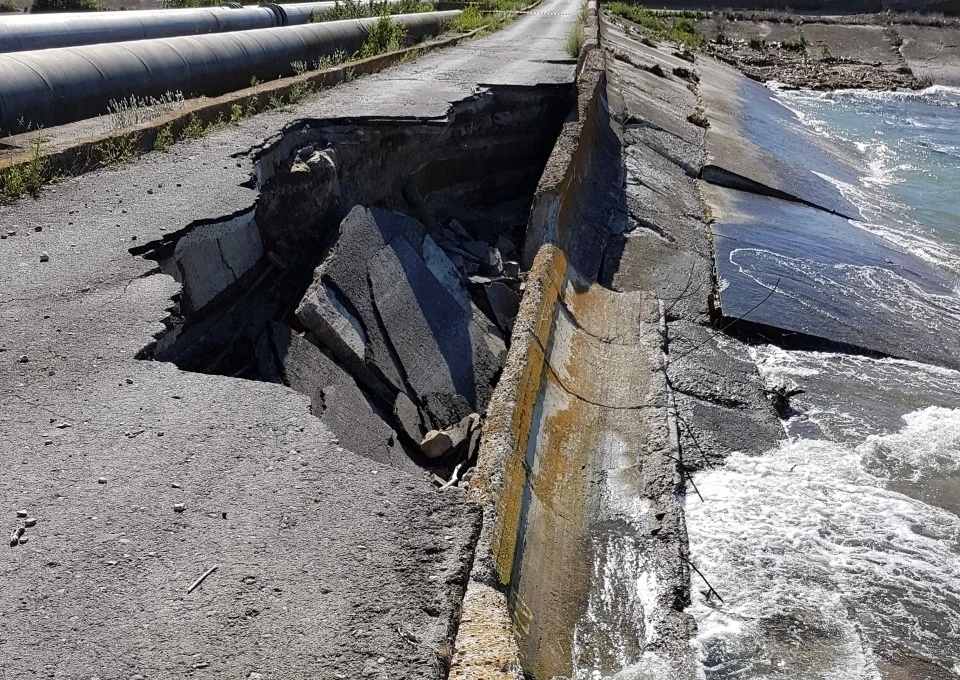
(377, 272)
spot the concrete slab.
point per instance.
(836, 280)
(933, 52)
(214, 257)
(861, 43)
(357, 422)
(449, 360)
(753, 144)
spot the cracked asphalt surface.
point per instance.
(330, 565)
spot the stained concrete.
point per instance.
(328, 560)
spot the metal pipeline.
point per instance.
(47, 31)
(53, 87)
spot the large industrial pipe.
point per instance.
(52, 87)
(20, 33)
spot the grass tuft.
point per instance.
(386, 35)
(25, 179)
(679, 30)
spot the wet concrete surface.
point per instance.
(329, 563)
(803, 271)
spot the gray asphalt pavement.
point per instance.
(330, 565)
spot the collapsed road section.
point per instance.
(406, 305)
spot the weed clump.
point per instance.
(679, 30)
(386, 35)
(40, 6)
(470, 19)
(798, 44)
(25, 179)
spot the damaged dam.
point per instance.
(504, 362)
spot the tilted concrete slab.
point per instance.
(829, 279)
(450, 360)
(389, 317)
(754, 144)
(338, 307)
(335, 398)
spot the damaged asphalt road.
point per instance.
(330, 564)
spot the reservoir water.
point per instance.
(837, 553)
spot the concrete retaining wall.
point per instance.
(575, 473)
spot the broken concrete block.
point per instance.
(473, 444)
(436, 444)
(335, 398)
(456, 228)
(493, 264)
(363, 233)
(477, 249)
(449, 359)
(445, 272)
(505, 246)
(213, 257)
(511, 269)
(504, 303)
(407, 416)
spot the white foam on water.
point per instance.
(818, 562)
(902, 232)
(875, 290)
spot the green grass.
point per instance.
(470, 19)
(8, 6)
(386, 35)
(757, 43)
(164, 139)
(679, 30)
(358, 9)
(39, 6)
(798, 44)
(118, 150)
(575, 41)
(25, 179)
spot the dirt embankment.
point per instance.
(864, 51)
(813, 53)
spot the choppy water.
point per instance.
(907, 145)
(837, 554)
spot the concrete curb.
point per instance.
(486, 645)
(77, 157)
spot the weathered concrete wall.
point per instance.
(576, 474)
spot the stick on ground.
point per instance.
(205, 574)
